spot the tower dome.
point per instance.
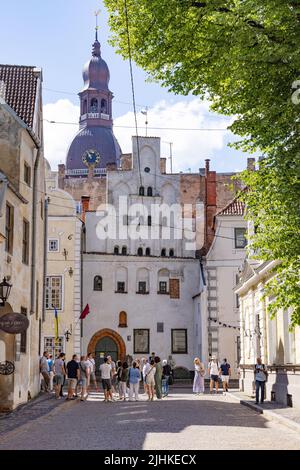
(94, 145)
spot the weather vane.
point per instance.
(97, 13)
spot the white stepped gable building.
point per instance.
(140, 291)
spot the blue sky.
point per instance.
(57, 35)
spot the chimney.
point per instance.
(61, 175)
(163, 166)
(207, 167)
(85, 202)
(251, 164)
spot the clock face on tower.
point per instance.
(91, 157)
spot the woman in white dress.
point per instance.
(198, 386)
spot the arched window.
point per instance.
(140, 252)
(171, 254)
(123, 320)
(163, 281)
(94, 105)
(150, 192)
(142, 281)
(98, 283)
(163, 252)
(148, 252)
(104, 106)
(142, 191)
(124, 250)
(84, 107)
(116, 250)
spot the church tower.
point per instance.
(94, 146)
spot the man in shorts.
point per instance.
(73, 376)
(92, 376)
(105, 370)
(59, 371)
(225, 372)
(213, 370)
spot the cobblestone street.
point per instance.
(181, 421)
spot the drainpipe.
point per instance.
(33, 241)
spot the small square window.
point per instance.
(179, 342)
(160, 327)
(142, 287)
(53, 245)
(240, 240)
(163, 287)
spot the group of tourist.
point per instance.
(118, 379)
(217, 373)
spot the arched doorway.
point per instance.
(107, 342)
(7, 347)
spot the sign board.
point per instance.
(14, 323)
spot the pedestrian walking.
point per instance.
(150, 380)
(158, 377)
(59, 375)
(84, 371)
(113, 377)
(166, 378)
(73, 375)
(225, 372)
(92, 375)
(134, 377)
(198, 386)
(44, 370)
(260, 377)
(105, 370)
(61, 393)
(51, 372)
(145, 370)
(123, 381)
(213, 370)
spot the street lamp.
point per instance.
(67, 335)
(5, 289)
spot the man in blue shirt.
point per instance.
(225, 372)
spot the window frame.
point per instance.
(54, 350)
(121, 291)
(162, 291)
(59, 276)
(9, 228)
(186, 340)
(25, 242)
(147, 348)
(142, 291)
(101, 283)
(53, 240)
(27, 174)
(236, 229)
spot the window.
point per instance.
(23, 345)
(174, 289)
(160, 327)
(149, 192)
(98, 283)
(140, 252)
(237, 300)
(53, 245)
(123, 320)
(171, 253)
(148, 252)
(121, 287)
(25, 247)
(51, 347)
(240, 237)
(163, 287)
(78, 207)
(116, 250)
(124, 250)
(54, 292)
(149, 221)
(94, 105)
(27, 174)
(103, 106)
(142, 287)
(163, 252)
(85, 107)
(179, 342)
(141, 341)
(9, 229)
(142, 191)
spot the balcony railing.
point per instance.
(85, 172)
(104, 116)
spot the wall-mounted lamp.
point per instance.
(71, 272)
(5, 289)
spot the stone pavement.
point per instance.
(180, 422)
(271, 410)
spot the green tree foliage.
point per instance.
(244, 56)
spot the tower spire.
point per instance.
(97, 13)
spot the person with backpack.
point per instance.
(214, 373)
(225, 372)
(260, 376)
(134, 377)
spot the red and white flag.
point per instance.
(85, 312)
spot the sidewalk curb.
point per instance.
(270, 415)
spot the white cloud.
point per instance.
(190, 148)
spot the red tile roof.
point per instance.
(235, 207)
(20, 87)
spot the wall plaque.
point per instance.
(14, 323)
